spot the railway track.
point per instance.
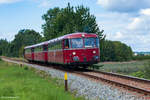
(132, 84)
(140, 86)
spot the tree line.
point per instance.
(61, 21)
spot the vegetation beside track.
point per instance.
(25, 83)
(140, 68)
(141, 57)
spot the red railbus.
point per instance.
(79, 49)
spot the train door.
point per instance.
(32, 53)
(45, 52)
(66, 51)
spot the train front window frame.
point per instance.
(77, 42)
(97, 42)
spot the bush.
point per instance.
(0, 59)
(140, 57)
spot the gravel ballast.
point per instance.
(82, 86)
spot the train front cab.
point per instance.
(81, 51)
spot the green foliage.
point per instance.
(71, 19)
(141, 57)
(115, 51)
(4, 45)
(28, 85)
(147, 70)
(144, 73)
(23, 38)
(139, 74)
(123, 67)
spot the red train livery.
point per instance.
(79, 49)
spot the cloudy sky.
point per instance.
(127, 21)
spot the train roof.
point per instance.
(72, 35)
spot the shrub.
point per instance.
(140, 57)
(0, 59)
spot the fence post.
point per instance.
(66, 82)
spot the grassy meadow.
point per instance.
(138, 68)
(23, 83)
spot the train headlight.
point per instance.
(74, 53)
(94, 52)
(83, 35)
(75, 58)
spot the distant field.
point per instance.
(18, 83)
(134, 68)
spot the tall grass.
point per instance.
(138, 68)
(25, 84)
(147, 70)
(123, 67)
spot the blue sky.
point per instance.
(127, 21)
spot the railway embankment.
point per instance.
(84, 86)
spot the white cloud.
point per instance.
(45, 3)
(145, 11)
(8, 1)
(140, 24)
(128, 28)
(118, 35)
(124, 5)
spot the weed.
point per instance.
(147, 70)
(26, 68)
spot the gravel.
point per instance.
(91, 90)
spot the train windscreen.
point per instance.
(91, 42)
(77, 43)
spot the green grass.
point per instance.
(133, 68)
(123, 67)
(22, 83)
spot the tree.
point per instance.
(107, 51)
(122, 51)
(23, 38)
(67, 20)
(115, 51)
(3, 47)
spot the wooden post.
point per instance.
(21, 65)
(66, 82)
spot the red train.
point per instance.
(79, 49)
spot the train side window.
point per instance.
(45, 48)
(32, 49)
(28, 50)
(66, 44)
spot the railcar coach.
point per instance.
(76, 49)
